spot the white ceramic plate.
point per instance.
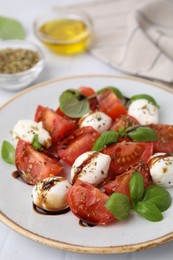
(64, 231)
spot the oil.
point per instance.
(66, 36)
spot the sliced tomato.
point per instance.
(165, 138)
(34, 166)
(87, 91)
(124, 120)
(88, 204)
(110, 104)
(80, 141)
(121, 182)
(58, 126)
(38, 114)
(125, 154)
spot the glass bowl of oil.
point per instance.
(64, 31)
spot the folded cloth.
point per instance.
(134, 36)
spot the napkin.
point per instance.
(134, 36)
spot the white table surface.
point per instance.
(13, 245)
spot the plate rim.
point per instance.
(74, 247)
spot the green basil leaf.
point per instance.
(149, 211)
(119, 205)
(142, 134)
(106, 138)
(122, 131)
(144, 96)
(73, 103)
(8, 152)
(158, 196)
(11, 29)
(113, 89)
(136, 186)
(36, 144)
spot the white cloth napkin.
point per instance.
(134, 36)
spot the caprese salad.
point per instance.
(120, 157)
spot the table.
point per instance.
(13, 245)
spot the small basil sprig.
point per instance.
(106, 138)
(143, 96)
(158, 196)
(11, 29)
(119, 205)
(136, 186)
(149, 211)
(36, 144)
(73, 103)
(149, 202)
(8, 152)
(141, 133)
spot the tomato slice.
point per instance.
(87, 91)
(121, 182)
(58, 126)
(110, 104)
(124, 120)
(165, 138)
(34, 166)
(78, 142)
(88, 204)
(125, 154)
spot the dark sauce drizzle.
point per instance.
(85, 224)
(83, 164)
(46, 212)
(15, 174)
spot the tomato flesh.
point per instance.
(121, 182)
(164, 143)
(125, 121)
(88, 204)
(125, 154)
(80, 141)
(110, 104)
(34, 166)
(87, 91)
(58, 126)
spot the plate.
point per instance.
(63, 231)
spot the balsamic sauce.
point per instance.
(15, 174)
(83, 164)
(157, 158)
(46, 212)
(85, 224)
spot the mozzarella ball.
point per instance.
(51, 193)
(144, 111)
(26, 129)
(161, 169)
(91, 167)
(98, 120)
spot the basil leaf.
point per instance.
(143, 96)
(122, 131)
(106, 138)
(142, 134)
(36, 144)
(136, 186)
(11, 29)
(158, 196)
(149, 211)
(8, 152)
(73, 103)
(119, 205)
(113, 89)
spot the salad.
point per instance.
(118, 154)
